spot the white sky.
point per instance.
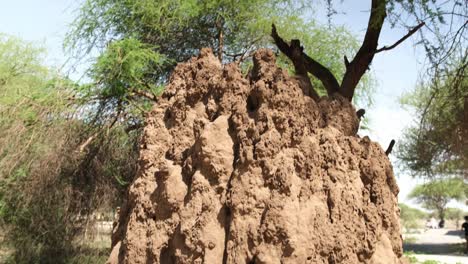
(46, 22)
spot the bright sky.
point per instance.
(46, 21)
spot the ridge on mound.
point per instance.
(238, 169)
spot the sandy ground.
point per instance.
(443, 245)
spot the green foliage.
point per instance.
(48, 187)
(126, 65)
(179, 28)
(437, 145)
(410, 217)
(165, 32)
(431, 262)
(29, 101)
(437, 193)
(410, 257)
(454, 213)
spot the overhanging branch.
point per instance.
(145, 94)
(411, 32)
(304, 64)
(294, 53)
(322, 73)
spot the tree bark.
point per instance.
(358, 66)
(303, 64)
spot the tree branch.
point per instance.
(304, 64)
(146, 94)
(360, 113)
(323, 74)
(133, 127)
(358, 66)
(107, 127)
(411, 32)
(390, 147)
(219, 26)
(294, 53)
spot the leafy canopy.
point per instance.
(139, 42)
(126, 65)
(436, 194)
(438, 144)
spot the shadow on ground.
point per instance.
(434, 248)
(459, 233)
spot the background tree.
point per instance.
(438, 143)
(436, 194)
(455, 214)
(48, 186)
(411, 217)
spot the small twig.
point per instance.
(106, 128)
(146, 94)
(390, 147)
(133, 127)
(82, 147)
(346, 61)
(411, 32)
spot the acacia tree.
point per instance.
(436, 194)
(454, 214)
(140, 42)
(437, 145)
(410, 216)
(444, 22)
(357, 67)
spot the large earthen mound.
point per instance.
(241, 169)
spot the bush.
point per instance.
(411, 217)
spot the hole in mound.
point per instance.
(168, 119)
(213, 116)
(167, 255)
(253, 104)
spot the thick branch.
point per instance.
(294, 53)
(411, 32)
(322, 73)
(358, 66)
(304, 64)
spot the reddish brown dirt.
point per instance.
(241, 169)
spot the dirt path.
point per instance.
(443, 245)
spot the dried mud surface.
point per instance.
(237, 169)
